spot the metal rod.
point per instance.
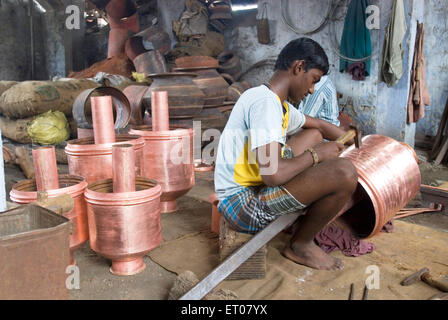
(103, 119)
(123, 167)
(159, 111)
(45, 168)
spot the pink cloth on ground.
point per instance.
(332, 237)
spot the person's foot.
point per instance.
(312, 256)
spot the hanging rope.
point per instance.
(306, 32)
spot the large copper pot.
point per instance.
(124, 226)
(388, 178)
(210, 82)
(94, 161)
(176, 178)
(26, 192)
(184, 96)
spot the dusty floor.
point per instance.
(96, 282)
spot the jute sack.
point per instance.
(31, 98)
(5, 85)
(17, 129)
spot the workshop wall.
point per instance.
(436, 51)
(374, 106)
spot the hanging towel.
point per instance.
(355, 42)
(392, 57)
(418, 93)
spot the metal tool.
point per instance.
(352, 291)
(238, 257)
(424, 276)
(353, 133)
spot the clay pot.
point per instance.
(388, 178)
(26, 192)
(210, 82)
(185, 99)
(175, 177)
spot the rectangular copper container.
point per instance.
(34, 253)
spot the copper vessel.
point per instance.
(210, 82)
(82, 109)
(94, 161)
(152, 38)
(124, 226)
(129, 23)
(236, 89)
(26, 192)
(135, 96)
(150, 62)
(175, 177)
(185, 99)
(196, 61)
(388, 178)
(229, 63)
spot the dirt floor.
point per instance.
(192, 217)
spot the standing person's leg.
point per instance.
(325, 188)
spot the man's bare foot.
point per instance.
(312, 256)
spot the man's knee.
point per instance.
(315, 136)
(346, 173)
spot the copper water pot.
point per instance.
(388, 178)
(124, 226)
(185, 99)
(94, 161)
(26, 192)
(210, 82)
(176, 178)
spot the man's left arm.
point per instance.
(328, 130)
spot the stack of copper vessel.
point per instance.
(168, 153)
(48, 180)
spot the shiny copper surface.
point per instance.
(159, 111)
(185, 99)
(124, 226)
(103, 120)
(94, 161)
(135, 96)
(161, 148)
(123, 167)
(45, 168)
(196, 61)
(388, 178)
(26, 192)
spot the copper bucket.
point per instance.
(124, 215)
(26, 192)
(94, 161)
(388, 178)
(176, 179)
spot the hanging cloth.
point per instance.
(355, 42)
(418, 93)
(392, 57)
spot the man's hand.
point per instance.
(328, 150)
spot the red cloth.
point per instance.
(332, 237)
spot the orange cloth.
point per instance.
(418, 94)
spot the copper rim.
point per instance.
(175, 132)
(87, 146)
(100, 192)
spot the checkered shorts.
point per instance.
(253, 208)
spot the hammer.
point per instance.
(354, 132)
(424, 276)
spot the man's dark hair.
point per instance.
(303, 49)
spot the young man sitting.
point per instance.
(260, 175)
